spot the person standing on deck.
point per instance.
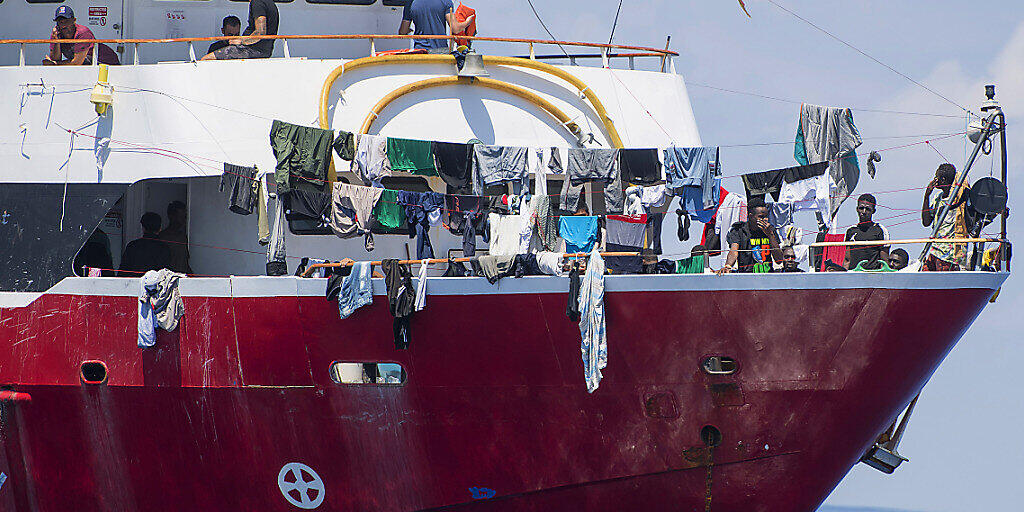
(945, 257)
(263, 21)
(867, 230)
(432, 18)
(753, 244)
(176, 237)
(146, 253)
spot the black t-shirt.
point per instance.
(143, 255)
(871, 254)
(217, 45)
(266, 8)
(755, 248)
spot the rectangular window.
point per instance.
(380, 374)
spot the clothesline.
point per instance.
(431, 261)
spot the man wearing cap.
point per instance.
(74, 54)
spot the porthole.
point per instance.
(94, 373)
(719, 365)
(711, 436)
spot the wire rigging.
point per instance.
(542, 24)
(862, 52)
(615, 23)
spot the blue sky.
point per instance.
(963, 441)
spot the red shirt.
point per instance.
(68, 50)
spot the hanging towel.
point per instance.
(415, 156)
(546, 222)
(594, 344)
(572, 305)
(160, 304)
(693, 167)
(242, 186)
(421, 285)
(356, 289)
(303, 155)
(345, 145)
(262, 213)
(454, 163)
(828, 135)
(401, 299)
(371, 162)
(308, 205)
(277, 253)
(836, 254)
(640, 166)
(352, 208)
(579, 232)
(505, 234)
(388, 212)
(496, 164)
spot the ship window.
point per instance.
(94, 372)
(381, 374)
(45, 1)
(711, 436)
(719, 365)
(396, 3)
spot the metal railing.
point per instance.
(606, 52)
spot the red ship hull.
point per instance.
(494, 414)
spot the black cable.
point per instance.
(552, 36)
(615, 23)
(862, 52)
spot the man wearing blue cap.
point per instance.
(74, 54)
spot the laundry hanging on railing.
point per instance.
(594, 344)
(160, 305)
(593, 165)
(498, 164)
(695, 167)
(625, 234)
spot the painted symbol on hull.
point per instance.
(482, 493)
(3, 479)
(301, 486)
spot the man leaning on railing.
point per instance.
(74, 54)
(432, 18)
(263, 21)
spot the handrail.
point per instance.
(659, 51)
(908, 242)
(432, 261)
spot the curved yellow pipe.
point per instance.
(497, 85)
(595, 102)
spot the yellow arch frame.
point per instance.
(595, 102)
(497, 85)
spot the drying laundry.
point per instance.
(640, 166)
(422, 209)
(371, 161)
(834, 253)
(401, 299)
(277, 253)
(594, 344)
(828, 135)
(494, 267)
(415, 156)
(388, 212)
(421, 285)
(693, 167)
(303, 155)
(593, 165)
(308, 204)
(625, 234)
(468, 216)
(242, 186)
(763, 183)
(546, 222)
(693, 202)
(497, 164)
(579, 232)
(345, 145)
(454, 163)
(505, 234)
(355, 290)
(572, 305)
(550, 263)
(691, 265)
(352, 208)
(160, 304)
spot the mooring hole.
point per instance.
(711, 436)
(94, 372)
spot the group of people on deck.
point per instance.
(421, 17)
(754, 245)
(156, 249)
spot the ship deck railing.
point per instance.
(605, 52)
